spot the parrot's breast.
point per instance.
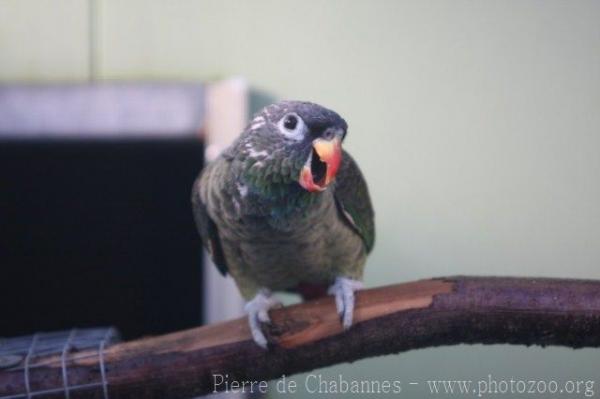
(312, 245)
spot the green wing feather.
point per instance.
(353, 201)
(207, 227)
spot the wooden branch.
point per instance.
(428, 313)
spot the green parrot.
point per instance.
(284, 208)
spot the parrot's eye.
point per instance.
(290, 122)
(292, 126)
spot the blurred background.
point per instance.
(477, 126)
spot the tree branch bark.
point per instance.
(392, 319)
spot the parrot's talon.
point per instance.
(343, 290)
(258, 312)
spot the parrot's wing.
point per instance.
(206, 226)
(353, 201)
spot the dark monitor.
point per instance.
(99, 232)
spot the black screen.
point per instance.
(98, 232)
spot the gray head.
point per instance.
(299, 140)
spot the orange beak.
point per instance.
(322, 165)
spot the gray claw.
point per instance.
(258, 311)
(343, 290)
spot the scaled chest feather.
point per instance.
(249, 215)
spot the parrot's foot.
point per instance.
(343, 289)
(258, 311)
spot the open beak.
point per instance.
(322, 164)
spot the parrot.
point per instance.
(284, 208)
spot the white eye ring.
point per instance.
(292, 126)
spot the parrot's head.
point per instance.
(298, 141)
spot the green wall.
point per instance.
(477, 125)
